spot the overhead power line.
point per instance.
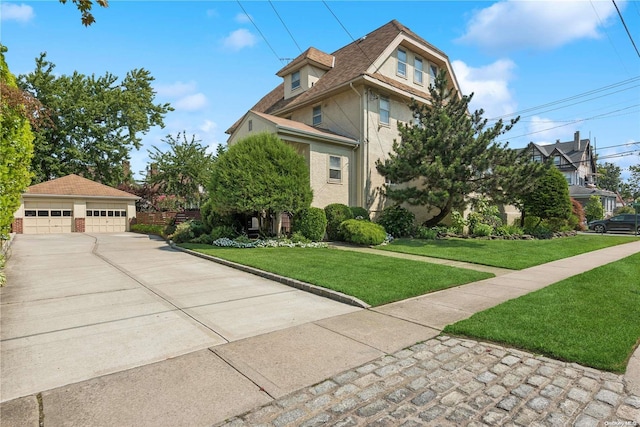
(626, 28)
(258, 29)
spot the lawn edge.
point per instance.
(294, 283)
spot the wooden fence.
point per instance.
(163, 218)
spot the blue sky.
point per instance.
(212, 62)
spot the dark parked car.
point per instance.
(616, 223)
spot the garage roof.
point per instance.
(74, 185)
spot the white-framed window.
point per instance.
(537, 158)
(418, 71)
(402, 62)
(295, 80)
(317, 115)
(335, 169)
(433, 73)
(557, 160)
(385, 108)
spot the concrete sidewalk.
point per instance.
(352, 370)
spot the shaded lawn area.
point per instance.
(374, 279)
(592, 319)
(512, 254)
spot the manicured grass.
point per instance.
(513, 254)
(375, 279)
(592, 319)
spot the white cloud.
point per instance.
(192, 102)
(239, 39)
(243, 18)
(512, 25)
(490, 85)
(208, 126)
(14, 12)
(212, 13)
(176, 89)
(547, 131)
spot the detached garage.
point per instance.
(74, 204)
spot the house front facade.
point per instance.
(341, 110)
(576, 161)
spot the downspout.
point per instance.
(360, 199)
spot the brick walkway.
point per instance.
(450, 382)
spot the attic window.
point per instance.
(537, 158)
(402, 62)
(250, 125)
(295, 80)
(557, 160)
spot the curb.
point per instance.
(317, 290)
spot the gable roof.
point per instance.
(350, 62)
(301, 128)
(566, 149)
(74, 185)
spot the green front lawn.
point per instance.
(592, 319)
(513, 254)
(374, 279)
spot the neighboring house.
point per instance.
(577, 163)
(341, 110)
(74, 204)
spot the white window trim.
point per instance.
(384, 98)
(293, 81)
(329, 169)
(404, 74)
(420, 71)
(314, 115)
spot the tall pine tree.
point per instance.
(448, 156)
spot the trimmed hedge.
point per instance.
(148, 229)
(398, 221)
(357, 211)
(311, 223)
(336, 214)
(362, 232)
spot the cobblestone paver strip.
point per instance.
(450, 381)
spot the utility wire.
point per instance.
(285, 26)
(608, 37)
(258, 29)
(626, 28)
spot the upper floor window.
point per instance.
(557, 160)
(250, 125)
(384, 110)
(402, 62)
(335, 168)
(295, 80)
(537, 158)
(317, 115)
(417, 71)
(433, 73)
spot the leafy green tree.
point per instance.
(550, 197)
(16, 146)
(594, 210)
(449, 155)
(634, 182)
(85, 6)
(261, 175)
(609, 176)
(94, 121)
(183, 170)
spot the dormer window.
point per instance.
(295, 80)
(557, 160)
(433, 73)
(402, 62)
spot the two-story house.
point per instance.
(577, 163)
(341, 110)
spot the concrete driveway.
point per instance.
(79, 306)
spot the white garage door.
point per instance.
(106, 218)
(47, 217)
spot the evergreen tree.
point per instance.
(609, 176)
(449, 156)
(260, 174)
(550, 197)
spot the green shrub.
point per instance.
(336, 213)
(458, 222)
(359, 213)
(310, 223)
(147, 229)
(203, 238)
(482, 230)
(297, 237)
(509, 230)
(486, 214)
(170, 227)
(362, 232)
(183, 233)
(223, 231)
(426, 233)
(624, 210)
(398, 221)
(594, 210)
